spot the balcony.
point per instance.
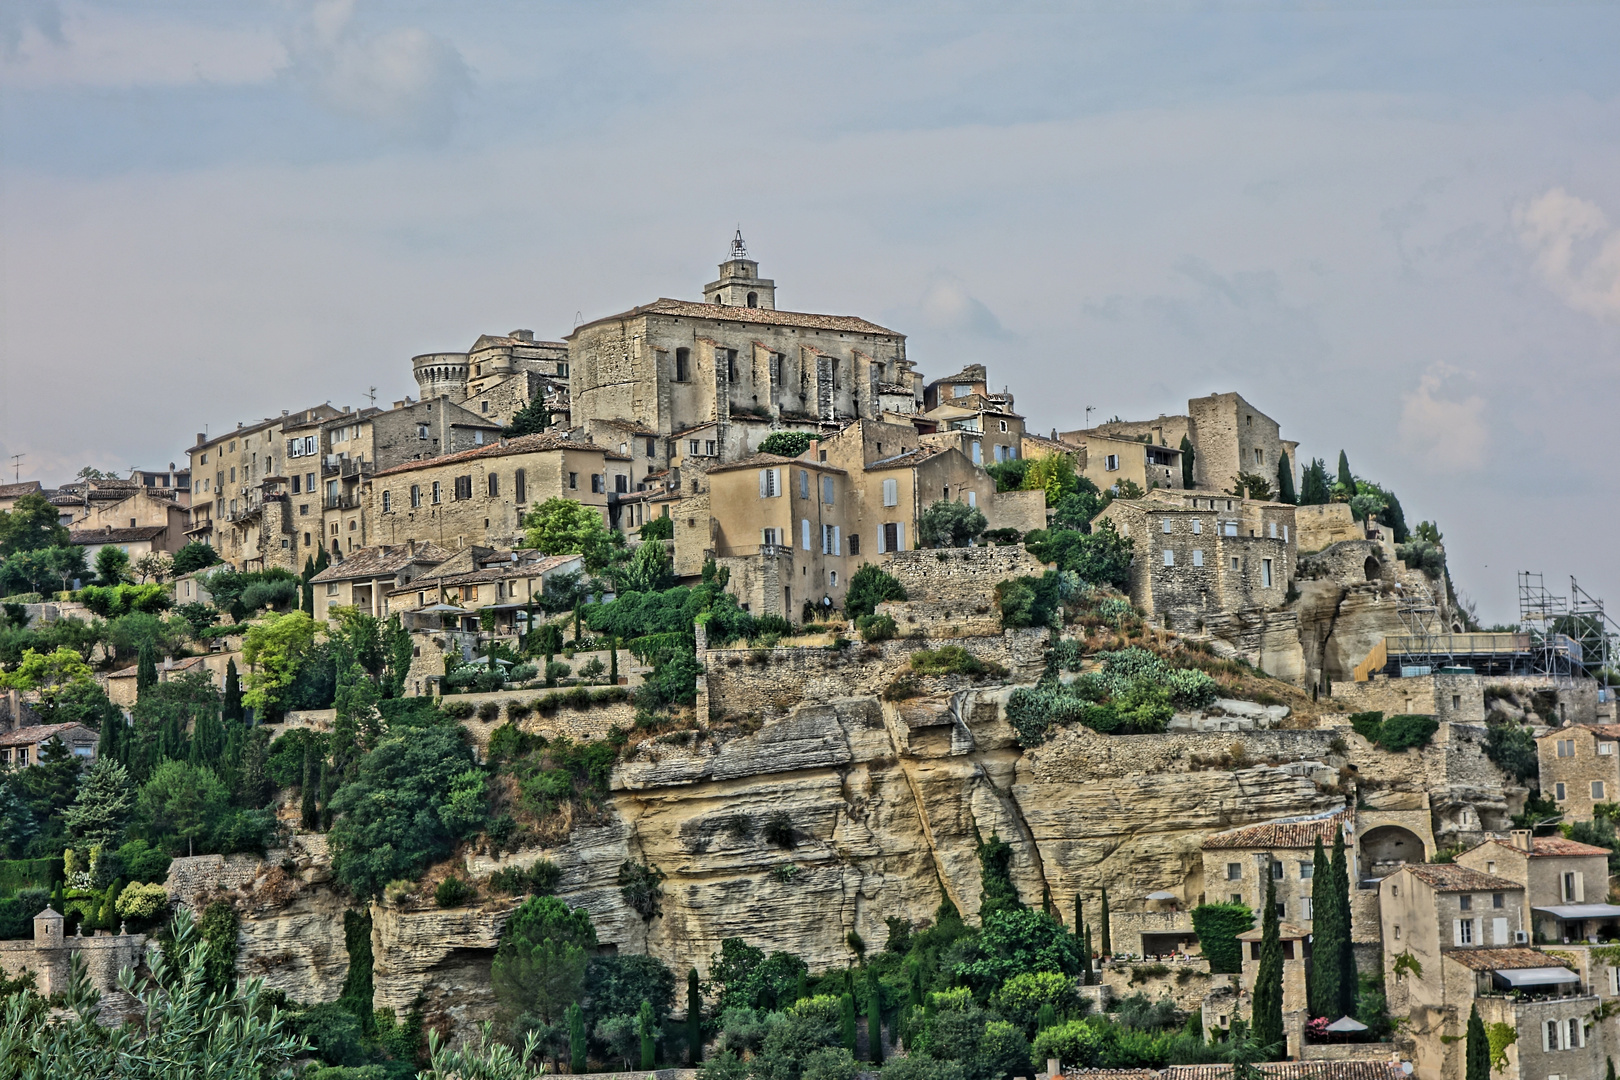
(341, 502)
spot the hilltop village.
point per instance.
(714, 689)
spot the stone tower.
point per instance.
(740, 284)
(441, 375)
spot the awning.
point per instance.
(1161, 895)
(1545, 976)
(1345, 1023)
(1581, 911)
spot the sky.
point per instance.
(1394, 227)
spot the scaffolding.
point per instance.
(1543, 618)
(1599, 635)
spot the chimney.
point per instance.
(1520, 838)
(202, 437)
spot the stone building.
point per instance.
(1238, 862)
(1566, 883)
(10, 493)
(734, 368)
(992, 430)
(49, 955)
(1296, 953)
(133, 542)
(1111, 460)
(499, 376)
(369, 575)
(1198, 556)
(1580, 767)
(24, 745)
(1228, 436)
(476, 579)
(127, 507)
(480, 496)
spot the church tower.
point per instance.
(740, 284)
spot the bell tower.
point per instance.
(740, 284)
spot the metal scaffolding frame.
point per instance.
(1583, 605)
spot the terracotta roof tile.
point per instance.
(39, 733)
(763, 316)
(1501, 959)
(1449, 877)
(1300, 833)
(523, 444)
(1552, 846)
(14, 491)
(116, 536)
(382, 561)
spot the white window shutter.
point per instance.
(1499, 932)
(763, 473)
(1580, 887)
(1456, 932)
(838, 541)
(776, 482)
(1547, 1038)
(804, 533)
(901, 529)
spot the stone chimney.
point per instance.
(1520, 838)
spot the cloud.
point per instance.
(43, 46)
(18, 17)
(405, 80)
(949, 308)
(1442, 433)
(1577, 253)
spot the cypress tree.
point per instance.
(1285, 480)
(1046, 905)
(1349, 977)
(1045, 1017)
(576, 1039)
(328, 789)
(1107, 942)
(1345, 478)
(613, 660)
(874, 1017)
(1610, 1075)
(915, 986)
(694, 1019)
(801, 986)
(1325, 930)
(232, 708)
(309, 817)
(846, 1021)
(1079, 917)
(1267, 1020)
(1477, 1058)
(145, 669)
(111, 744)
(645, 1025)
(1091, 973)
(1187, 456)
(322, 561)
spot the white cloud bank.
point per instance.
(1577, 252)
(1444, 434)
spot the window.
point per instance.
(463, 487)
(827, 490)
(1597, 790)
(1234, 871)
(973, 498)
(768, 537)
(770, 483)
(520, 486)
(597, 485)
(331, 588)
(1277, 871)
(730, 356)
(1465, 931)
(438, 492)
(978, 453)
(692, 447)
(1307, 871)
(1549, 1035)
(421, 431)
(416, 496)
(652, 448)
(493, 483)
(1566, 747)
(708, 447)
(1167, 526)
(1282, 913)
(683, 364)
(621, 483)
(893, 537)
(891, 494)
(804, 533)
(1259, 456)
(573, 480)
(804, 483)
(1574, 1033)
(1498, 900)
(1198, 557)
(1574, 887)
(1169, 557)
(854, 543)
(1285, 534)
(1558, 792)
(386, 503)
(1274, 530)
(1235, 564)
(830, 544)
(1605, 749)
(1229, 528)
(1305, 907)
(1198, 526)
(1111, 463)
(1465, 902)
(1265, 573)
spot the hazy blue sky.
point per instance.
(1393, 226)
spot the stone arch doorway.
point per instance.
(1372, 569)
(1388, 847)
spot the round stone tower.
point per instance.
(441, 375)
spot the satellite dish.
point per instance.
(1406, 1067)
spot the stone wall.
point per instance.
(1326, 524)
(1186, 983)
(197, 875)
(1345, 561)
(1448, 698)
(961, 575)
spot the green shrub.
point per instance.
(1407, 731)
(452, 892)
(1218, 926)
(459, 710)
(1368, 725)
(875, 628)
(141, 901)
(540, 879)
(659, 528)
(953, 660)
(1074, 1043)
(868, 587)
(790, 444)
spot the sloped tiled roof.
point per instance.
(523, 444)
(757, 460)
(911, 457)
(1501, 959)
(1279, 834)
(1449, 877)
(116, 536)
(1552, 846)
(382, 561)
(1294, 1070)
(39, 733)
(15, 491)
(762, 316)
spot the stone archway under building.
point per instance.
(1372, 569)
(1387, 847)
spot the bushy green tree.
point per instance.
(193, 557)
(790, 444)
(564, 527)
(1053, 475)
(650, 569)
(103, 805)
(112, 566)
(533, 419)
(539, 966)
(275, 650)
(1102, 557)
(868, 587)
(950, 524)
(31, 523)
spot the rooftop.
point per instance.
(1298, 833)
(382, 561)
(83, 537)
(910, 457)
(13, 491)
(1449, 877)
(523, 444)
(1500, 959)
(1285, 932)
(38, 733)
(756, 461)
(1295, 1070)
(764, 316)
(1545, 846)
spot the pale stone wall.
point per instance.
(1325, 524)
(1569, 780)
(1449, 698)
(1232, 436)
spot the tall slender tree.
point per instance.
(1326, 927)
(232, 707)
(1187, 457)
(308, 813)
(1477, 1053)
(145, 669)
(1346, 479)
(846, 1020)
(1268, 977)
(1106, 941)
(1091, 972)
(646, 1027)
(576, 1039)
(1349, 977)
(694, 1020)
(874, 1017)
(1285, 479)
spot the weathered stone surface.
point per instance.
(441, 955)
(297, 946)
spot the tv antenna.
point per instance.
(372, 394)
(16, 466)
(1089, 410)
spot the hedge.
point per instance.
(18, 874)
(1218, 926)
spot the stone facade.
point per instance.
(1328, 523)
(1448, 697)
(49, 955)
(1580, 767)
(1228, 434)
